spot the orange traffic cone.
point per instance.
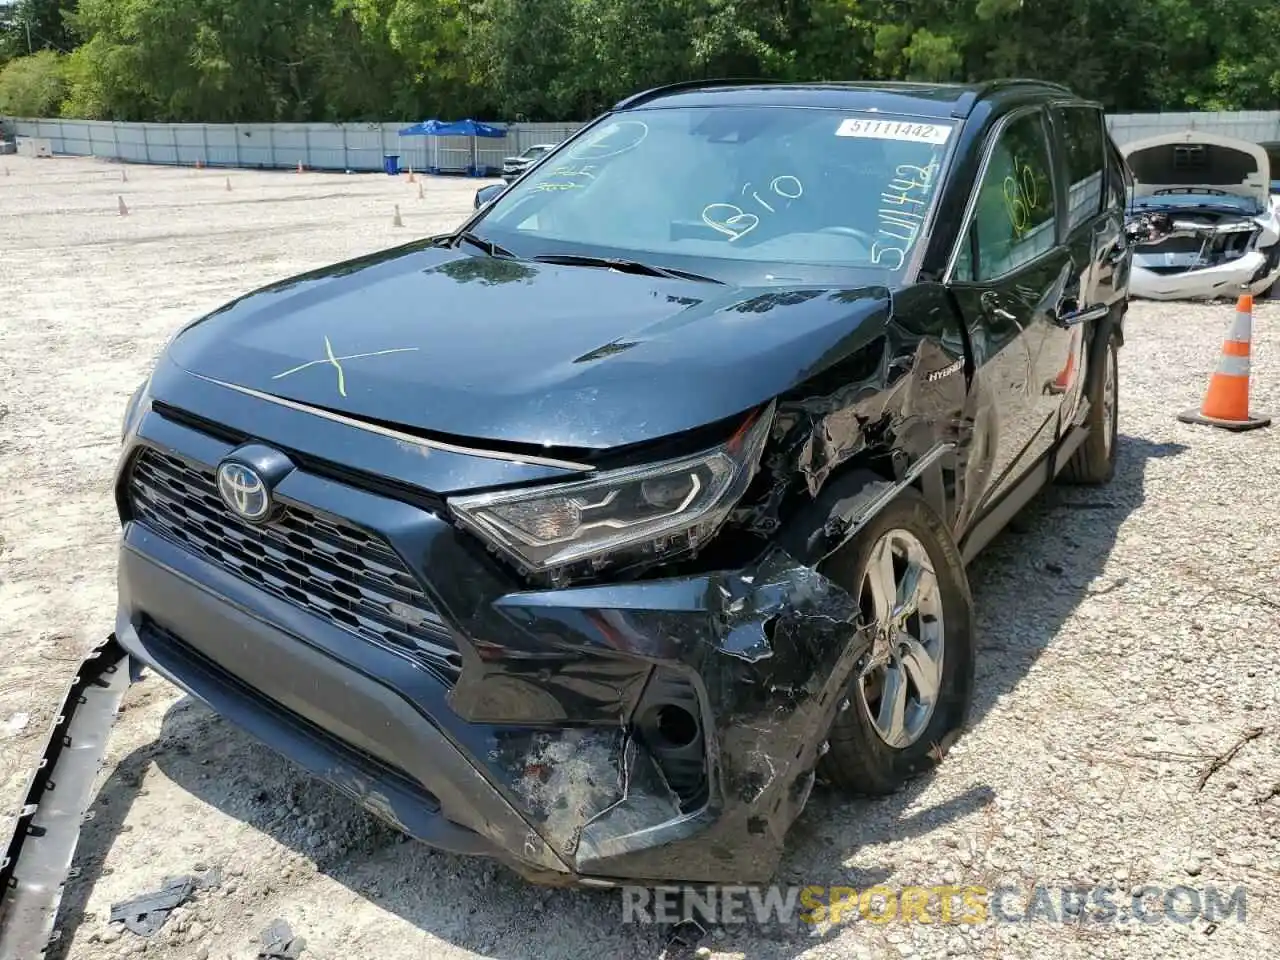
(1226, 403)
(1063, 380)
(411, 174)
(120, 206)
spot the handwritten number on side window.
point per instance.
(1021, 197)
(735, 222)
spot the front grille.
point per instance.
(326, 566)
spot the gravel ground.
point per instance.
(1127, 640)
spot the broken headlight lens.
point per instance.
(647, 510)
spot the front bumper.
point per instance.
(1252, 273)
(535, 748)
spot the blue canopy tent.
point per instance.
(455, 128)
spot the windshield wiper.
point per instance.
(488, 246)
(625, 266)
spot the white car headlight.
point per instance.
(650, 510)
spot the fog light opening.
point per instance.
(675, 726)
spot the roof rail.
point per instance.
(965, 103)
(652, 94)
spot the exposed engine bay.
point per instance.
(1202, 217)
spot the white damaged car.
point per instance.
(1219, 230)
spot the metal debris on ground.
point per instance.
(279, 943)
(147, 912)
(682, 942)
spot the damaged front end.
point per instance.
(647, 710)
(661, 722)
(1203, 218)
(715, 755)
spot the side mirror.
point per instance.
(488, 194)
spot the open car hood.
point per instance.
(1193, 158)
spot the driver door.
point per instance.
(1012, 280)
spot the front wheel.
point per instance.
(910, 694)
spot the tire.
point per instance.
(861, 761)
(1095, 460)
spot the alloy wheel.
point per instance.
(900, 681)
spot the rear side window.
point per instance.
(1013, 219)
(1085, 156)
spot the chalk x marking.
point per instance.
(337, 362)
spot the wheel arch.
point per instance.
(849, 501)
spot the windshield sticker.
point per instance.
(736, 222)
(894, 130)
(1021, 196)
(611, 140)
(903, 206)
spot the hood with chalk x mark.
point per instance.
(514, 351)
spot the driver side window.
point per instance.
(1013, 220)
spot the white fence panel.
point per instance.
(1257, 125)
(189, 143)
(131, 142)
(255, 145)
(221, 145)
(363, 146)
(290, 142)
(326, 147)
(161, 142)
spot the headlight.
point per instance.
(640, 510)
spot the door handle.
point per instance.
(990, 303)
(1075, 316)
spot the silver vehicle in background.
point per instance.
(513, 167)
(1220, 213)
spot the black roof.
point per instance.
(901, 97)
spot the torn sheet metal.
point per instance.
(768, 653)
(763, 654)
(146, 913)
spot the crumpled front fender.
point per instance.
(759, 658)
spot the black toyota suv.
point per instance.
(584, 535)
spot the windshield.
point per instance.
(752, 194)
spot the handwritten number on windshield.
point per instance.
(905, 199)
(571, 178)
(735, 222)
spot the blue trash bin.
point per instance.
(391, 164)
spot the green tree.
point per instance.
(33, 86)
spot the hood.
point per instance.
(452, 344)
(1193, 158)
